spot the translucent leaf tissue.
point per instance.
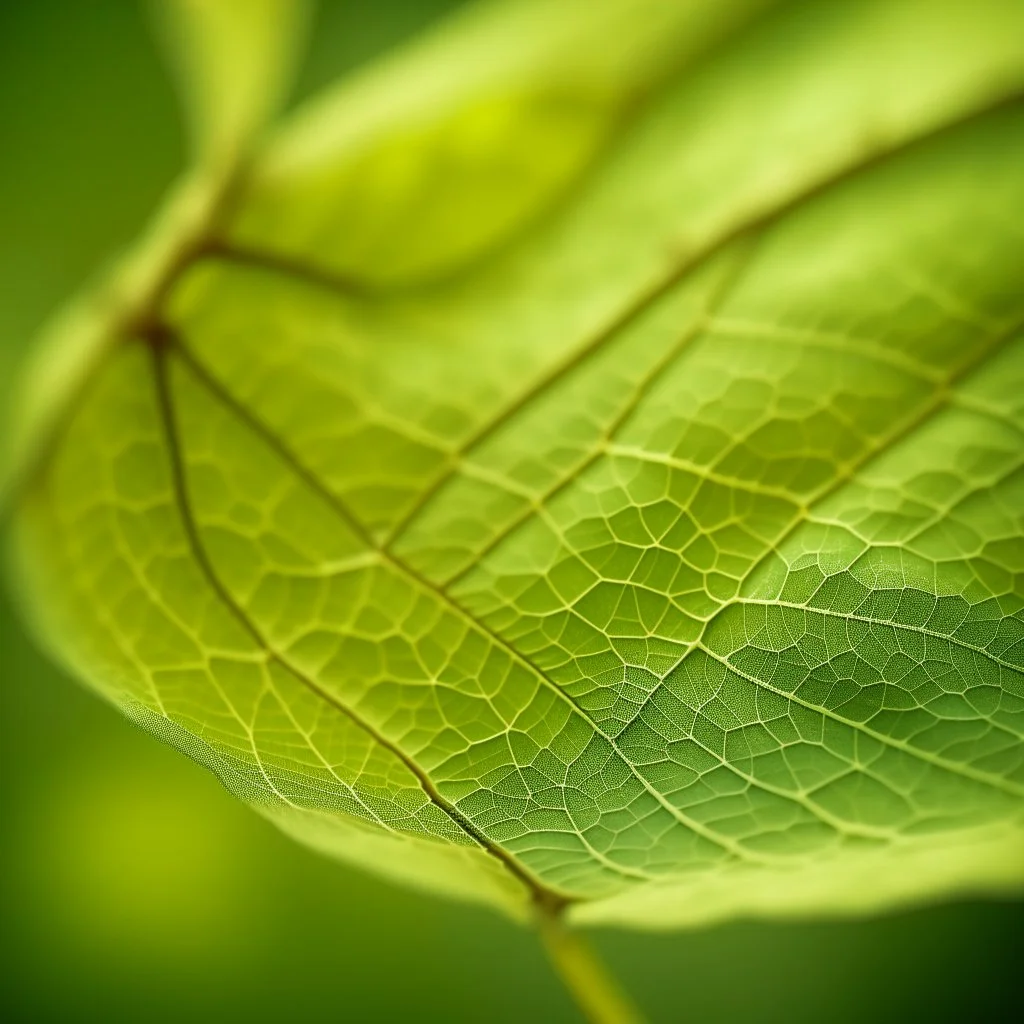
(576, 464)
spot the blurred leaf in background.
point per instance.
(133, 887)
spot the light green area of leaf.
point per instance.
(74, 344)
(434, 156)
(233, 60)
(590, 471)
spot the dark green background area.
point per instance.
(133, 887)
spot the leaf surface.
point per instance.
(592, 472)
(233, 60)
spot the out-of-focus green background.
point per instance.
(133, 887)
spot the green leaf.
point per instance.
(581, 460)
(233, 60)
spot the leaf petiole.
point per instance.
(588, 980)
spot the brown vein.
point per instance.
(335, 503)
(159, 346)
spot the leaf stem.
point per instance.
(588, 980)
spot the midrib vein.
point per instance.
(215, 388)
(541, 892)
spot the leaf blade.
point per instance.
(233, 62)
(721, 589)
